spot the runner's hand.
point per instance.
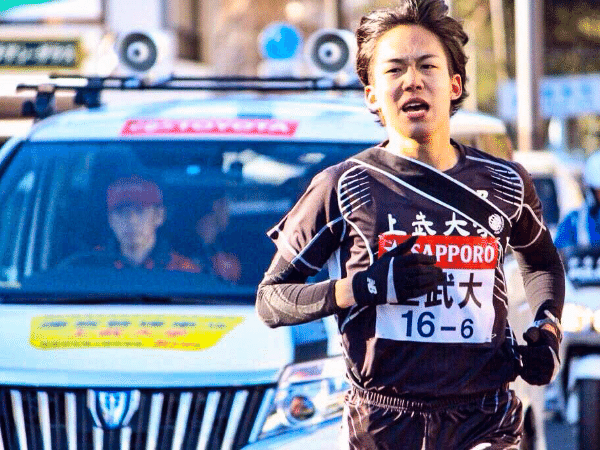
(399, 272)
(540, 356)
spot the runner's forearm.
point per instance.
(284, 297)
(543, 277)
(293, 303)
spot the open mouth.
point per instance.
(415, 106)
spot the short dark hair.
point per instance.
(430, 14)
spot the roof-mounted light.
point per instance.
(88, 89)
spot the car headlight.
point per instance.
(576, 318)
(596, 320)
(308, 394)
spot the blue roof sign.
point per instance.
(279, 40)
(559, 96)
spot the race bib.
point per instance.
(461, 309)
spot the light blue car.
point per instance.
(97, 353)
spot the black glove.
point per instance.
(539, 357)
(409, 274)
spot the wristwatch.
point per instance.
(551, 323)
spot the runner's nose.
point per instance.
(412, 79)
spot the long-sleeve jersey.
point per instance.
(455, 340)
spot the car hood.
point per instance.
(139, 346)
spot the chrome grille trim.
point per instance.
(185, 404)
(17, 405)
(263, 412)
(210, 412)
(135, 404)
(237, 408)
(154, 423)
(219, 418)
(91, 404)
(125, 438)
(44, 416)
(1, 440)
(98, 438)
(71, 420)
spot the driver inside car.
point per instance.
(135, 214)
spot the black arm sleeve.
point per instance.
(543, 276)
(284, 297)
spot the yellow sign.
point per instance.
(40, 54)
(170, 332)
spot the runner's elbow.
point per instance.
(264, 310)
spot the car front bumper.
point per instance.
(323, 437)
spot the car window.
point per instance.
(62, 203)
(546, 190)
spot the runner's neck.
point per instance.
(440, 154)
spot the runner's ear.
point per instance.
(371, 99)
(455, 87)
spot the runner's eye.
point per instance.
(395, 70)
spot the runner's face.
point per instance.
(135, 226)
(411, 83)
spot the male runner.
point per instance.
(414, 232)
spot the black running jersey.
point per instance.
(457, 338)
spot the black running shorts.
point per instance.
(489, 421)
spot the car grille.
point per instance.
(183, 419)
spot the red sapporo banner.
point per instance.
(452, 252)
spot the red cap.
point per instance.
(133, 191)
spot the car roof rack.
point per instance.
(88, 88)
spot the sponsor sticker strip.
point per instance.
(132, 331)
(263, 127)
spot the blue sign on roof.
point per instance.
(560, 96)
(280, 40)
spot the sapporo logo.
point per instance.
(451, 252)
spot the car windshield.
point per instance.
(147, 220)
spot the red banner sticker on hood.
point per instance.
(240, 126)
(451, 252)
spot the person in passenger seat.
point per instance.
(210, 229)
(135, 213)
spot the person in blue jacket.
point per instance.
(581, 228)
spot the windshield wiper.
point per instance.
(127, 299)
(88, 299)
